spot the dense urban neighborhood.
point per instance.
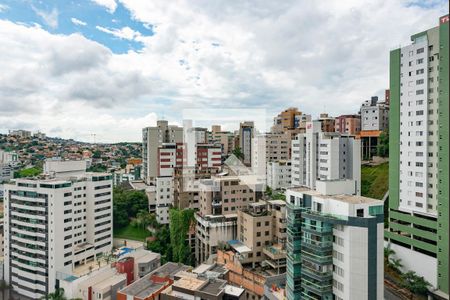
(334, 207)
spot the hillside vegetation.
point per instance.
(375, 180)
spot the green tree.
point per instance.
(180, 221)
(96, 154)
(127, 204)
(416, 284)
(29, 172)
(238, 153)
(383, 144)
(58, 294)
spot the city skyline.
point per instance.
(136, 63)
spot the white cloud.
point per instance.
(311, 54)
(124, 33)
(78, 22)
(110, 5)
(3, 7)
(49, 17)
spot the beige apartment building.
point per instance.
(262, 232)
(222, 195)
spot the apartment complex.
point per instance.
(318, 155)
(334, 243)
(418, 168)
(54, 224)
(152, 139)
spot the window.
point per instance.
(420, 81)
(420, 50)
(419, 61)
(419, 92)
(419, 71)
(360, 212)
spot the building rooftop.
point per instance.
(189, 283)
(110, 281)
(145, 286)
(213, 287)
(233, 290)
(170, 269)
(351, 199)
(239, 247)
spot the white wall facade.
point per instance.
(278, 175)
(53, 225)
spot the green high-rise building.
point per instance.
(419, 152)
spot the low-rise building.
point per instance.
(101, 284)
(212, 233)
(153, 284)
(192, 286)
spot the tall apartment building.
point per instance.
(246, 133)
(54, 224)
(318, 155)
(348, 124)
(335, 243)
(152, 138)
(418, 155)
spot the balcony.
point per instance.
(317, 275)
(316, 258)
(319, 289)
(274, 252)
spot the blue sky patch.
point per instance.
(85, 17)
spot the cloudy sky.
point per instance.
(111, 67)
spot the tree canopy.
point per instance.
(127, 204)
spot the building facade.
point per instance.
(418, 155)
(279, 175)
(152, 138)
(318, 155)
(374, 115)
(246, 134)
(348, 124)
(335, 244)
(53, 225)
